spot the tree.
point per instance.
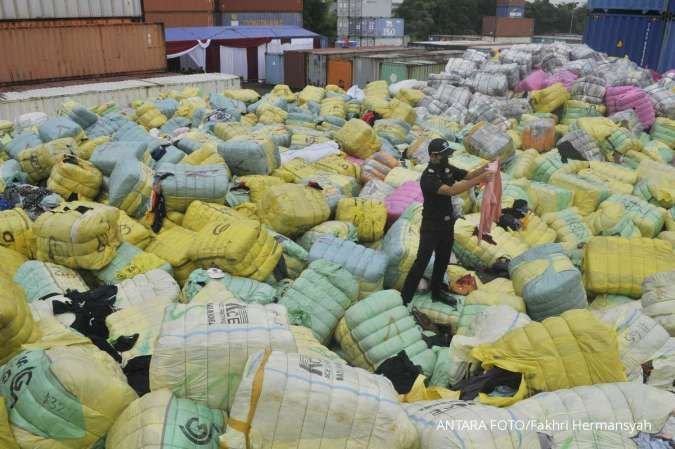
(317, 17)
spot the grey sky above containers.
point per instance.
(67, 9)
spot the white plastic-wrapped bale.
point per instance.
(153, 285)
(489, 142)
(290, 400)
(201, 350)
(451, 95)
(658, 299)
(40, 280)
(461, 67)
(663, 100)
(493, 84)
(512, 71)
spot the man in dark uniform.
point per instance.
(439, 182)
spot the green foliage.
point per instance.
(316, 16)
(550, 18)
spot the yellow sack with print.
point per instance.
(618, 265)
(269, 114)
(378, 88)
(358, 139)
(7, 440)
(534, 231)
(71, 175)
(401, 111)
(229, 130)
(499, 291)
(550, 98)
(199, 214)
(599, 128)
(333, 106)
(293, 209)
(37, 162)
(133, 232)
(16, 232)
(242, 248)
(660, 179)
(11, 261)
(612, 184)
(173, 245)
(294, 170)
(16, 321)
(369, 216)
(398, 176)
(648, 218)
(336, 163)
(568, 225)
(188, 106)
(86, 148)
(78, 235)
(587, 194)
(283, 91)
(611, 219)
(245, 95)
(522, 163)
(566, 351)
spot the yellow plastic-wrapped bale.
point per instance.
(257, 185)
(148, 115)
(610, 170)
(499, 291)
(402, 111)
(16, 231)
(311, 93)
(534, 231)
(242, 248)
(618, 265)
(473, 254)
(173, 245)
(269, 114)
(336, 163)
(199, 213)
(188, 106)
(397, 176)
(587, 194)
(612, 184)
(568, 225)
(73, 176)
(293, 209)
(599, 128)
(294, 170)
(611, 220)
(369, 217)
(668, 236)
(522, 163)
(333, 106)
(245, 95)
(550, 98)
(358, 139)
(86, 148)
(660, 179)
(11, 261)
(37, 162)
(206, 155)
(131, 231)
(78, 235)
(648, 218)
(16, 321)
(546, 197)
(570, 350)
(663, 130)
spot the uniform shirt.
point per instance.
(437, 214)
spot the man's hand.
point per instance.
(486, 176)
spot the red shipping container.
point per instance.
(178, 5)
(507, 27)
(259, 5)
(181, 19)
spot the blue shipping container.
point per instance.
(667, 61)
(510, 11)
(638, 37)
(632, 5)
(274, 68)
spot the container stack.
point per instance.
(45, 40)
(510, 22)
(641, 30)
(258, 13)
(180, 13)
(368, 23)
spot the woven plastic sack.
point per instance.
(550, 98)
(202, 350)
(369, 217)
(339, 229)
(130, 261)
(16, 322)
(619, 266)
(379, 327)
(493, 84)
(16, 231)
(293, 209)
(73, 176)
(40, 280)
(182, 184)
(254, 424)
(488, 142)
(587, 194)
(535, 232)
(59, 128)
(648, 218)
(173, 245)
(246, 156)
(664, 131)
(106, 156)
(358, 139)
(37, 162)
(244, 289)
(240, 247)
(658, 299)
(611, 219)
(548, 282)
(569, 226)
(78, 235)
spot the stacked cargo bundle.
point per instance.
(368, 23)
(259, 12)
(641, 30)
(510, 21)
(179, 13)
(46, 40)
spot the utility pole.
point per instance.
(574, 9)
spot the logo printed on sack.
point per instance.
(7, 237)
(219, 229)
(18, 381)
(233, 314)
(197, 433)
(317, 367)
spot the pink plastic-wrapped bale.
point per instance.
(534, 81)
(621, 98)
(355, 160)
(398, 201)
(565, 77)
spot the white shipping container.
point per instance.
(364, 8)
(68, 9)
(13, 104)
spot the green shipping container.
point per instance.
(393, 72)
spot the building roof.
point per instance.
(236, 33)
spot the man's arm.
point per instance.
(463, 186)
(477, 172)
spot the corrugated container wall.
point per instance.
(364, 8)
(316, 69)
(259, 5)
(181, 19)
(507, 27)
(629, 5)
(178, 5)
(339, 73)
(638, 37)
(73, 52)
(370, 27)
(667, 58)
(68, 9)
(295, 73)
(227, 19)
(510, 11)
(274, 68)
(419, 70)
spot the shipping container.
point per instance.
(316, 69)
(507, 27)
(419, 70)
(274, 68)
(366, 68)
(339, 73)
(259, 5)
(370, 27)
(68, 9)
(510, 11)
(181, 19)
(520, 3)
(83, 51)
(381, 42)
(638, 37)
(643, 6)
(295, 73)
(227, 19)
(178, 5)
(68, 22)
(364, 8)
(667, 58)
